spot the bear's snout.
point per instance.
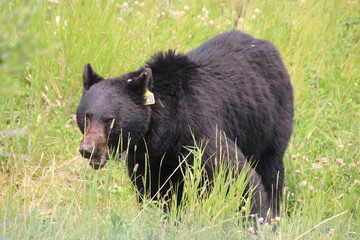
(94, 145)
(97, 159)
(87, 151)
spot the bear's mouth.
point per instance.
(97, 163)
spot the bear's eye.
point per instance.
(110, 122)
(87, 116)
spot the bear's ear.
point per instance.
(90, 77)
(142, 85)
(142, 82)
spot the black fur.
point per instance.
(233, 82)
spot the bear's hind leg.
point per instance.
(227, 152)
(271, 169)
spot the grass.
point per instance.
(49, 192)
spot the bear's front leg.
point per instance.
(155, 177)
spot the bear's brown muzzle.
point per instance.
(93, 146)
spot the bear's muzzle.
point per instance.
(94, 147)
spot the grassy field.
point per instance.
(47, 191)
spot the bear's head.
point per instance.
(113, 114)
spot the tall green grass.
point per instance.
(48, 191)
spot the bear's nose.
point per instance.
(87, 151)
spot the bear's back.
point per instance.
(233, 81)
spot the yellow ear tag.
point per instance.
(149, 98)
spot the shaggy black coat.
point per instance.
(232, 84)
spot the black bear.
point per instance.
(233, 83)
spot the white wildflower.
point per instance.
(57, 21)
